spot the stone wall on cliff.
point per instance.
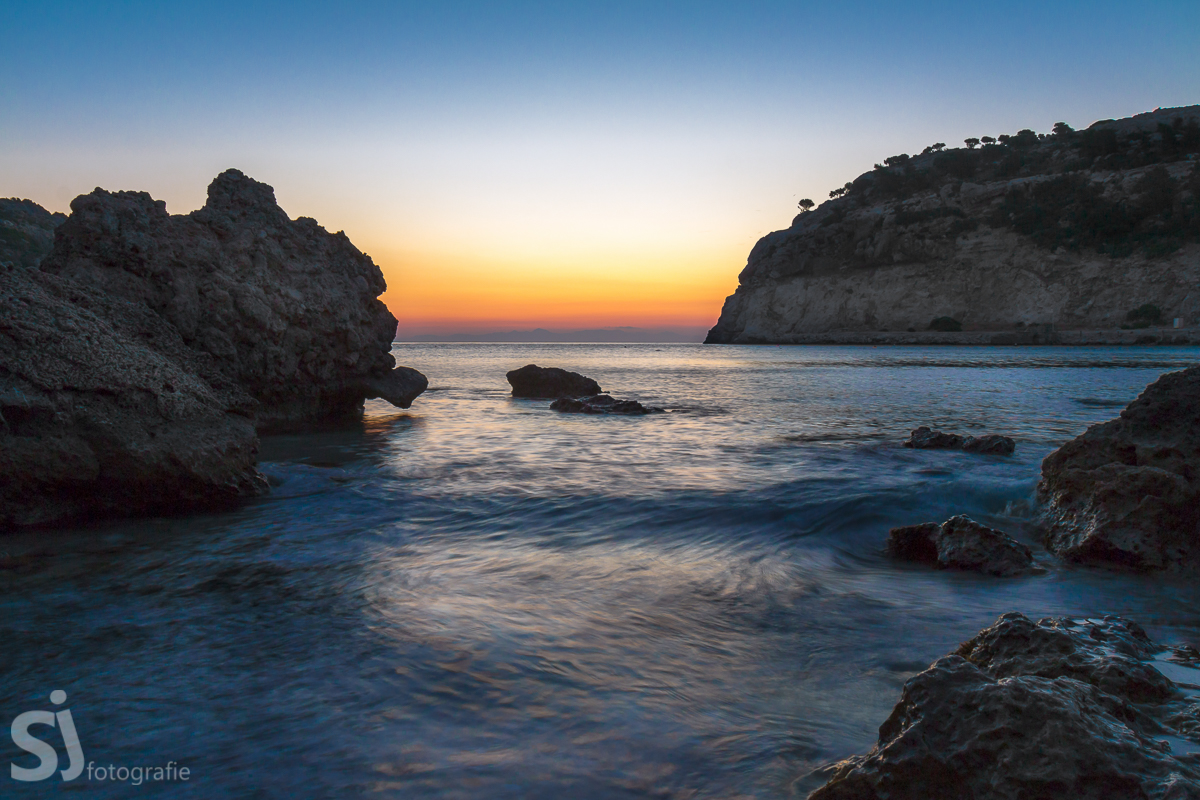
(1066, 232)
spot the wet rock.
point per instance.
(105, 411)
(550, 382)
(285, 310)
(923, 438)
(601, 404)
(1031, 710)
(1127, 492)
(961, 543)
(991, 444)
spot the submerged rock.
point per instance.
(1056, 708)
(288, 311)
(923, 438)
(601, 404)
(550, 382)
(961, 543)
(1127, 492)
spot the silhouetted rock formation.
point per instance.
(601, 404)
(961, 543)
(992, 444)
(289, 311)
(26, 231)
(1037, 239)
(1056, 708)
(1127, 492)
(105, 411)
(550, 382)
(136, 362)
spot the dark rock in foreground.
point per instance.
(289, 311)
(992, 444)
(601, 404)
(961, 543)
(550, 382)
(1056, 708)
(104, 411)
(137, 361)
(1127, 492)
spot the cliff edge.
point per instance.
(1025, 238)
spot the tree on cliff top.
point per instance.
(806, 204)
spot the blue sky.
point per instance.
(552, 153)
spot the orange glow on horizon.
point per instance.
(431, 292)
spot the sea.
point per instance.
(482, 598)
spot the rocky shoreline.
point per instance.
(1073, 338)
(142, 354)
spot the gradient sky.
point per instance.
(529, 164)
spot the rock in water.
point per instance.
(961, 543)
(1032, 710)
(925, 439)
(289, 312)
(105, 411)
(602, 404)
(550, 382)
(992, 444)
(1127, 492)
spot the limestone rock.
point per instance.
(105, 411)
(1030, 710)
(1009, 239)
(1127, 492)
(289, 311)
(550, 382)
(961, 543)
(602, 404)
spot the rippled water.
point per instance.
(481, 598)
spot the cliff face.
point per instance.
(289, 311)
(1034, 236)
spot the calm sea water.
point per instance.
(481, 598)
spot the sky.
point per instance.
(552, 164)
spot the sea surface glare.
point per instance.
(481, 598)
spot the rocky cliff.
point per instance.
(289, 311)
(138, 359)
(1020, 239)
(26, 231)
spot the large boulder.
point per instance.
(289, 311)
(1056, 708)
(1127, 492)
(961, 543)
(550, 382)
(105, 411)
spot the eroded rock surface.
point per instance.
(105, 411)
(924, 438)
(1056, 708)
(961, 543)
(550, 382)
(26, 231)
(289, 311)
(602, 404)
(1127, 492)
